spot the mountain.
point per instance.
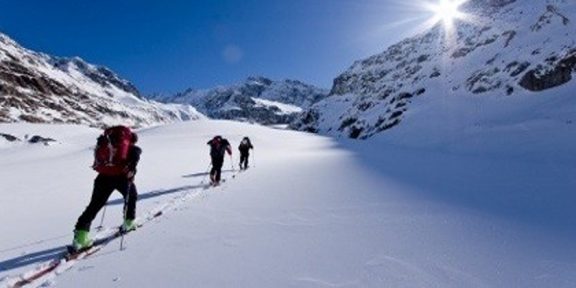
(506, 53)
(257, 99)
(39, 88)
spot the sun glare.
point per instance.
(447, 11)
(443, 16)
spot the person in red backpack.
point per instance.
(218, 148)
(116, 158)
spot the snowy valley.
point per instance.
(315, 212)
(464, 175)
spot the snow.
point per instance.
(469, 191)
(311, 211)
(111, 99)
(482, 64)
(284, 108)
(257, 99)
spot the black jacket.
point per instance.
(219, 148)
(245, 148)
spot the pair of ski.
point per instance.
(72, 254)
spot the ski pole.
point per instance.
(253, 161)
(206, 173)
(102, 220)
(232, 165)
(232, 162)
(126, 199)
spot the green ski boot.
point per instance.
(128, 225)
(81, 240)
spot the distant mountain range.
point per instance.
(35, 87)
(496, 69)
(257, 99)
(508, 50)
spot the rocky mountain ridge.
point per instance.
(36, 87)
(506, 48)
(257, 99)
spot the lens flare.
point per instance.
(415, 17)
(447, 11)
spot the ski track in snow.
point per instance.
(193, 193)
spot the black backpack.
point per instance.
(245, 144)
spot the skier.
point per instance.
(218, 148)
(116, 158)
(244, 148)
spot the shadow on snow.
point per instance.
(157, 193)
(60, 251)
(205, 173)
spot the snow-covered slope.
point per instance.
(310, 212)
(505, 54)
(257, 99)
(36, 87)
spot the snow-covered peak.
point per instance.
(259, 80)
(5, 40)
(36, 87)
(506, 49)
(99, 74)
(257, 99)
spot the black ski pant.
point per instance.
(244, 160)
(216, 171)
(103, 187)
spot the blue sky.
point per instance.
(171, 45)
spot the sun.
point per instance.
(447, 11)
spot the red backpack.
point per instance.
(111, 152)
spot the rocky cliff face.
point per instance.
(36, 87)
(507, 49)
(257, 99)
